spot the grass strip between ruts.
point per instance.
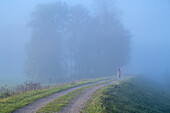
(62, 101)
(10, 104)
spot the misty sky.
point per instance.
(148, 22)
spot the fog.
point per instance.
(150, 42)
(69, 42)
(75, 39)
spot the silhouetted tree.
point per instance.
(45, 54)
(68, 41)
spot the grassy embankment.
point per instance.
(10, 104)
(131, 96)
(62, 101)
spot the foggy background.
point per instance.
(147, 21)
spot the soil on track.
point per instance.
(33, 107)
(77, 104)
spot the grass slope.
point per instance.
(10, 104)
(131, 96)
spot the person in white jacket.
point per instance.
(118, 73)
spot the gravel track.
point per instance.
(77, 104)
(33, 107)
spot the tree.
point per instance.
(69, 42)
(45, 52)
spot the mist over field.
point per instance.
(65, 40)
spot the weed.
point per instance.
(11, 103)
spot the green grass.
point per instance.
(10, 104)
(62, 101)
(131, 96)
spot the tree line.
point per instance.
(70, 42)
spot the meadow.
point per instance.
(135, 95)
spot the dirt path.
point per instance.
(77, 104)
(33, 107)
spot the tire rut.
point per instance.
(33, 107)
(76, 105)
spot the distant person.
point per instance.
(118, 73)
